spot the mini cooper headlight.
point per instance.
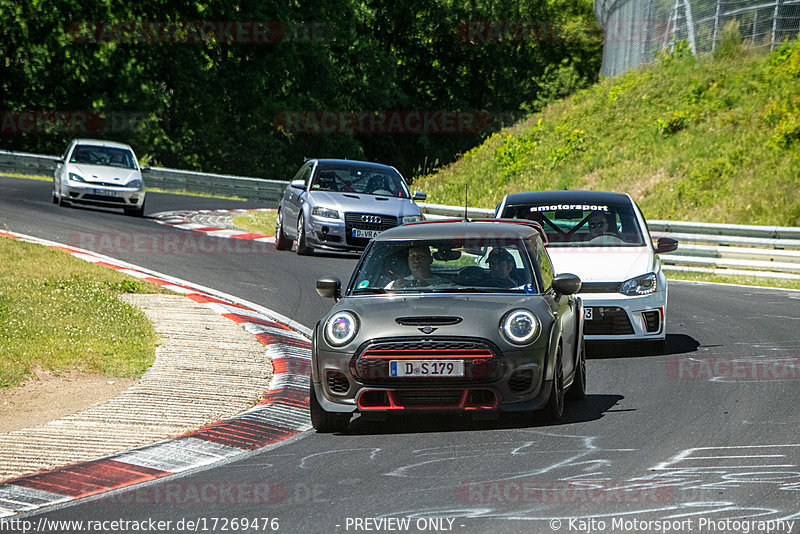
(341, 328)
(641, 285)
(519, 326)
(75, 177)
(327, 213)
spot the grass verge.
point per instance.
(260, 222)
(689, 138)
(59, 313)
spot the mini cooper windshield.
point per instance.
(435, 266)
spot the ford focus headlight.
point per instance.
(341, 328)
(519, 326)
(410, 219)
(641, 285)
(136, 182)
(75, 177)
(327, 213)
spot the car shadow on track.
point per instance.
(675, 344)
(591, 408)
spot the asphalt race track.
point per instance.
(700, 438)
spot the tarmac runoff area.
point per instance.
(207, 368)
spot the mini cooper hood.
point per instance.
(480, 314)
(362, 203)
(103, 173)
(611, 264)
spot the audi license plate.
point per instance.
(369, 234)
(588, 314)
(431, 368)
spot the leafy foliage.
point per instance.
(214, 102)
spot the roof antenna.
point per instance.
(466, 203)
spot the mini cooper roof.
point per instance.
(567, 196)
(460, 228)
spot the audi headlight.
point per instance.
(519, 326)
(341, 328)
(641, 285)
(410, 219)
(75, 177)
(327, 213)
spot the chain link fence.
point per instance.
(635, 30)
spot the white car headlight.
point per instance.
(519, 326)
(341, 328)
(410, 219)
(641, 285)
(327, 213)
(75, 177)
(136, 182)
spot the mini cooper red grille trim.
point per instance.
(467, 399)
(427, 354)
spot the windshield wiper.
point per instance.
(368, 290)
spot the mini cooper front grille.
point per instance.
(608, 321)
(371, 365)
(435, 320)
(366, 221)
(520, 380)
(599, 287)
(337, 382)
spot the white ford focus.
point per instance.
(603, 238)
(99, 173)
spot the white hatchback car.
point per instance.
(99, 173)
(603, 238)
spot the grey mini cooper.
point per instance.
(461, 316)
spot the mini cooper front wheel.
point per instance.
(554, 408)
(324, 421)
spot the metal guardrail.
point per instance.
(762, 251)
(759, 251)
(269, 191)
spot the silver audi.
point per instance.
(341, 205)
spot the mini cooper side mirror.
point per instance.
(419, 195)
(666, 244)
(329, 287)
(566, 284)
